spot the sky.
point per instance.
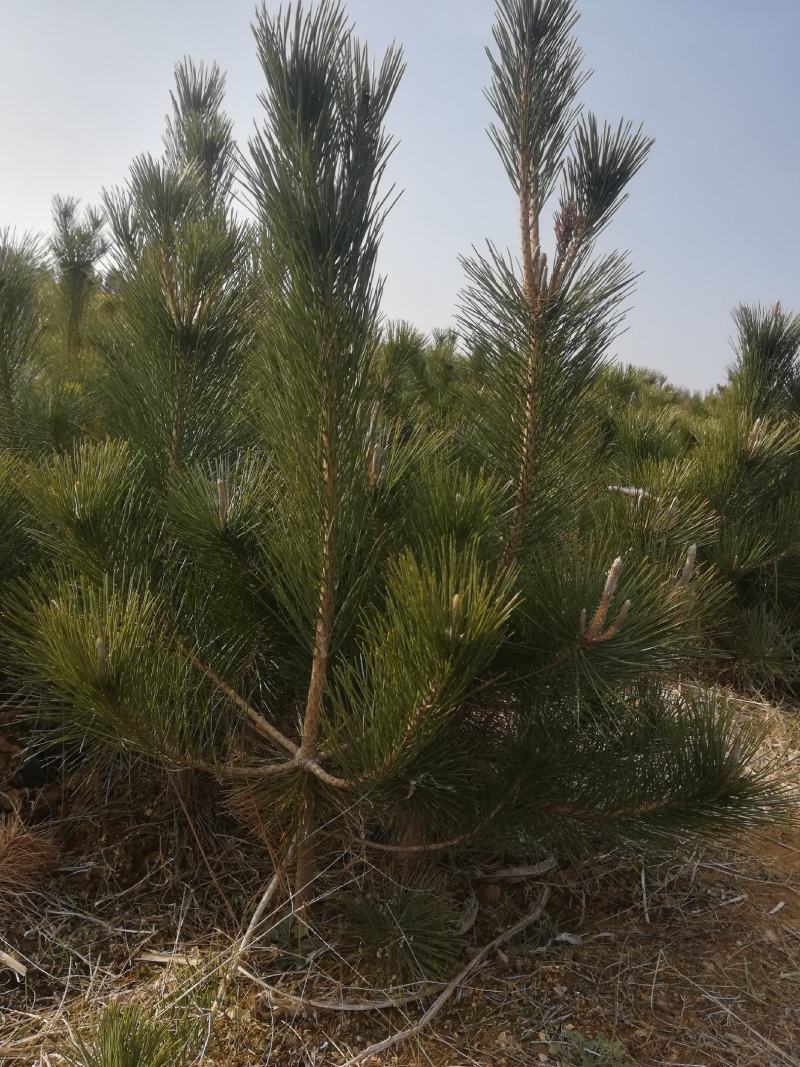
(713, 219)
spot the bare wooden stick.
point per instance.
(13, 964)
(266, 899)
(405, 1035)
(516, 874)
(249, 935)
(281, 998)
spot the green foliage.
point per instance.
(93, 509)
(19, 550)
(438, 628)
(21, 324)
(536, 77)
(766, 644)
(200, 135)
(409, 929)
(102, 652)
(723, 473)
(316, 166)
(543, 335)
(183, 310)
(422, 381)
(678, 761)
(746, 462)
(130, 1037)
(582, 1051)
(444, 500)
(221, 518)
(765, 378)
(76, 247)
(653, 636)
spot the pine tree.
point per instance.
(182, 319)
(317, 165)
(21, 326)
(200, 134)
(746, 463)
(735, 459)
(765, 379)
(38, 413)
(383, 636)
(76, 247)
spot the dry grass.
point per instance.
(26, 859)
(691, 961)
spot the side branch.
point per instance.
(262, 725)
(648, 808)
(437, 846)
(298, 761)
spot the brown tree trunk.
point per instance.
(309, 747)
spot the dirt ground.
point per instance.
(640, 958)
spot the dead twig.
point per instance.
(13, 964)
(279, 998)
(436, 846)
(199, 843)
(516, 874)
(248, 936)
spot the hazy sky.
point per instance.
(714, 218)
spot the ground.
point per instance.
(642, 958)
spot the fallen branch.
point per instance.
(266, 899)
(280, 999)
(516, 874)
(13, 964)
(171, 959)
(411, 1031)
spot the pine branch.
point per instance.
(438, 846)
(263, 726)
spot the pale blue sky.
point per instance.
(712, 220)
